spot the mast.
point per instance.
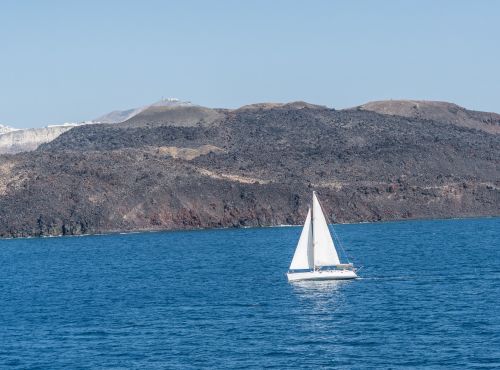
(312, 228)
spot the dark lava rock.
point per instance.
(253, 166)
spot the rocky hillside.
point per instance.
(177, 115)
(437, 111)
(118, 116)
(194, 167)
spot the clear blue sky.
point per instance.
(70, 61)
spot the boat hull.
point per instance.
(322, 275)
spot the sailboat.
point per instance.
(315, 257)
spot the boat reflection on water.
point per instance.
(324, 293)
(323, 304)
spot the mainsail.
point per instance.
(315, 247)
(324, 249)
(303, 257)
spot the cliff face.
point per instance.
(198, 167)
(5, 129)
(29, 139)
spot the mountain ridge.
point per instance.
(24, 140)
(438, 111)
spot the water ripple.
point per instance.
(427, 298)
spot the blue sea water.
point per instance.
(429, 297)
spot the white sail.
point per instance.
(325, 253)
(303, 257)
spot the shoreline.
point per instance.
(148, 231)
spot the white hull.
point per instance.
(322, 275)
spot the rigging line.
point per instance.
(341, 245)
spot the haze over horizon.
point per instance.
(68, 62)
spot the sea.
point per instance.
(428, 297)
